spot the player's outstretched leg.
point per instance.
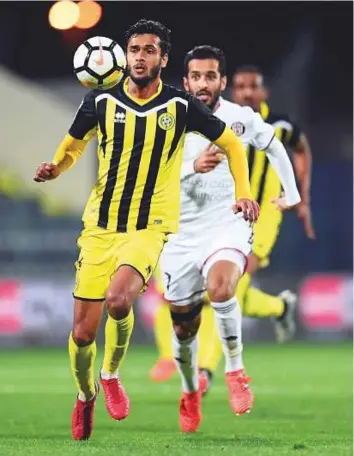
(186, 321)
(82, 351)
(210, 348)
(123, 290)
(222, 279)
(285, 324)
(165, 367)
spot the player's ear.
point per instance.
(265, 93)
(185, 84)
(223, 83)
(164, 61)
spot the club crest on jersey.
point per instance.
(166, 121)
(238, 128)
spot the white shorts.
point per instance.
(185, 268)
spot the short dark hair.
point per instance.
(206, 52)
(248, 69)
(154, 28)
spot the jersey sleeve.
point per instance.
(262, 132)
(201, 120)
(85, 119)
(294, 135)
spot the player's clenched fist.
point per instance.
(208, 159)
(46, 172)
(249, 208)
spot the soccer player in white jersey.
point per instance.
(209, 253)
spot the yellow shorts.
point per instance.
(103, 251)
(266, 232)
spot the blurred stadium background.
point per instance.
(305, 50)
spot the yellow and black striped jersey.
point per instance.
(265, 184)
(140, 144)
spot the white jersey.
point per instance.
(207, 198)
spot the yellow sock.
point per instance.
(117, 334)
(82, 361)
(242, 289)
(262, 305)
(163, 331)
(210, 348)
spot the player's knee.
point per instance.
(83, 336)
(118, 304)
(221, 289)
(185, 330)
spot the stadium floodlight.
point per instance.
(64, 14)
(90, 14)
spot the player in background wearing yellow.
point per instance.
(248, 90)
(141, 125)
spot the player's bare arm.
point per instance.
(302, 158)
(238, 164)
(68, 152)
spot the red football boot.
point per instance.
(240, 394)
(82, 417)
(190, 413)
(117, 400)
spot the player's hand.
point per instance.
(304, 214)
(282, 205)
(209, 159)
(248, 207)
(46, 172)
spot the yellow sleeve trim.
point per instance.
(68, 152)
(238, 164)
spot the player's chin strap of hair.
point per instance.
(187, 316)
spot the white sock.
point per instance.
(107, 376)
(229, 323)
(185, 353)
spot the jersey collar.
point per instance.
(139, 101)
(264, 110)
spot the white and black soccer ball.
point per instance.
(99, 63)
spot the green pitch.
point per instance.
(303, 406)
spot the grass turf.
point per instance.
(303, 406)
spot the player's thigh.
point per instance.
(141, 251)
(266, 232)
(229, 244)
(95, 265)
(158, 279)
(182, 281)
(87, 318)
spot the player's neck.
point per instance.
(143, 93)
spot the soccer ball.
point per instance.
(99, 63)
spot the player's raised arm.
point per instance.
(265, 139)
(71, 148)
(200, 119)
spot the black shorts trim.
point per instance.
(136, 270)
(88, 299)
(178, 317)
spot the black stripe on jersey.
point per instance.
(283, 135)
(251, 152)
(112, 171)
(144, 210)
(132, 174)
(181, 114)
(101, 108)
(262, 183)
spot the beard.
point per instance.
(214, 98)
(145, 80)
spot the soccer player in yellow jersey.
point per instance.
(134, 205)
